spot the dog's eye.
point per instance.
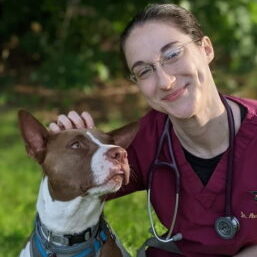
(75, 145)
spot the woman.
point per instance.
(168, 57)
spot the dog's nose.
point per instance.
(116, 153)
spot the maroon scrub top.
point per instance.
(200, 205)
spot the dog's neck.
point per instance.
(68, 217)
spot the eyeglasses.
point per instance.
(144, 71)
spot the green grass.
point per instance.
(19, 181)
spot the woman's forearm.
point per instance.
(249, 251)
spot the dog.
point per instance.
(80, 168)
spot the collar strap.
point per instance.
(66, 240)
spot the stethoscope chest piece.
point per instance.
(226, 227)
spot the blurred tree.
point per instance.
(74, 43)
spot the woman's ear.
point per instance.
(208, 49)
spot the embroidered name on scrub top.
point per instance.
(248, 216)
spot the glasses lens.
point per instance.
(143, 72)
(172, 55)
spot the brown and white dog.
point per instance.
(80, 166)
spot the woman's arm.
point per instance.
(249, 251)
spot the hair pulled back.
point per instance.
(173, 14)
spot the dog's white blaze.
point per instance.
(100, 166)
(94, 139)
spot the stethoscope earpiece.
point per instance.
(227, 227)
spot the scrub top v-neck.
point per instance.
(200, 205)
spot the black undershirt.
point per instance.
(205, 167)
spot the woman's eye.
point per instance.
(144, 72)
(172, 55)
(75, 145)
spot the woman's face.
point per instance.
(173, 71)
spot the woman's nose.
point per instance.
(165, 80)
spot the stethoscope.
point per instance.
(226, 227)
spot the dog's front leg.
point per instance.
(26, 251)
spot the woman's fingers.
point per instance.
(88, 119)
(53, 127)
(64, 122)
(70, 121)
(76, 119)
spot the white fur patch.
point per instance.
(70, 216)
(100, 166)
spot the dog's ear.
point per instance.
(124, 136)
(34, 135)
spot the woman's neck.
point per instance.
(206, 134)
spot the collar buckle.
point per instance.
(78, 238)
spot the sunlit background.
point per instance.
(61, 55)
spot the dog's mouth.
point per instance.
(119, 176)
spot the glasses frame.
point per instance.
(132, 75)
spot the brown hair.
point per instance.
(171, 13)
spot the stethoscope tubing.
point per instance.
(230, 163)
(168, 238)
(174, 167)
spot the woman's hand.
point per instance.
(72, 120)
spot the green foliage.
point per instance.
(232, 27)
(17, 174)
(74, 43)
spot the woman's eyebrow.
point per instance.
(167, 46)
(138, 63)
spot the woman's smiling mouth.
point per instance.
(175, 94)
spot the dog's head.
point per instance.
(78, 162)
